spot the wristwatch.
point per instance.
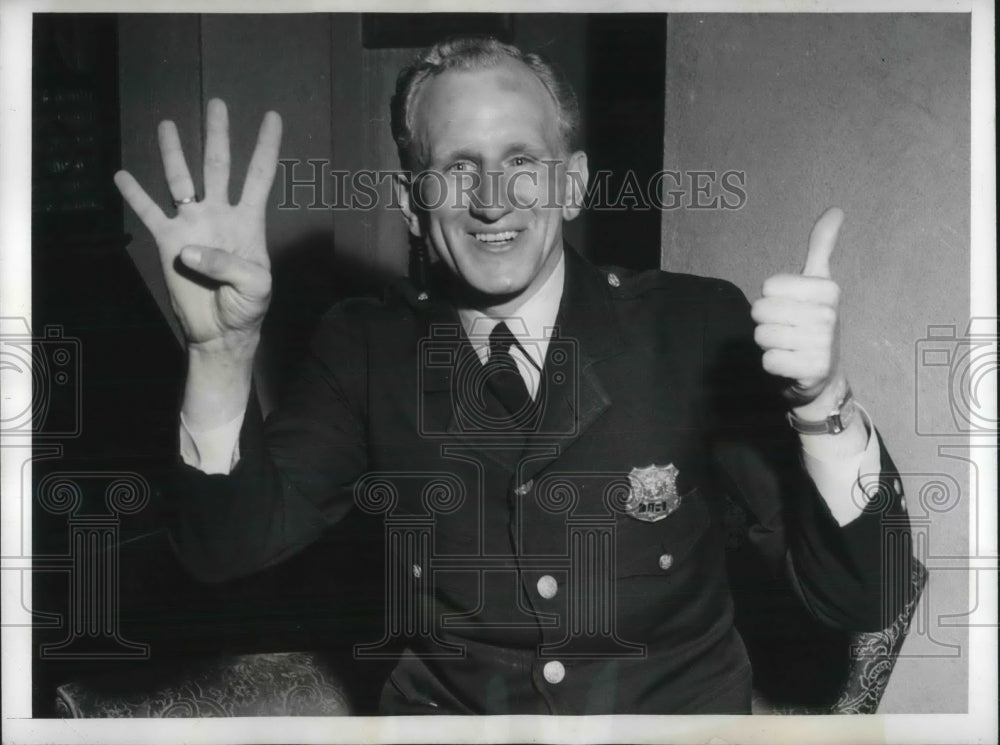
(835, 423)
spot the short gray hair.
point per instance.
(476, 53)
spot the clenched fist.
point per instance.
(797, 319)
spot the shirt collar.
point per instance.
(533, 322)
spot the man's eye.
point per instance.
(519, 160)
(462, 165)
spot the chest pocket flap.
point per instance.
(655, 547)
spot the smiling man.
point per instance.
(562, 440)
(492, 139)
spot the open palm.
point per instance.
(213, 253)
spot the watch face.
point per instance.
(841, 419)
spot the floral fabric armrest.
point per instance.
(278, 684)
(874, 655)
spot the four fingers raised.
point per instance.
(264, 163)
(174, 166)
(260, 173)
(145, 208)
(216, 168)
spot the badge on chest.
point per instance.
(653, 492)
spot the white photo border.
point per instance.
(979, 724)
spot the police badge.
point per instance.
(653, 494)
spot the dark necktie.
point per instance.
(503, 377)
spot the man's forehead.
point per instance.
(514, 75)
(510, 76)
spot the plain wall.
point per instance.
(869, 113)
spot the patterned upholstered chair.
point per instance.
(874, 655)
(303, 683)
(871, 658)
(280, 684)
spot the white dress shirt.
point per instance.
(531, 325)
(838, 480)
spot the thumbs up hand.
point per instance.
(797, 320)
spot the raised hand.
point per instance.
(797, 320)
(213, 253)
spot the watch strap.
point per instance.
(835, 423)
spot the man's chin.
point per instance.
(483, 294)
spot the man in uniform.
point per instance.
(557, 441)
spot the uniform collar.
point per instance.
(588, 331)
(531, 324)
(585, 315)
(586, 312)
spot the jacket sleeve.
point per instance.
(855, 577)
(295, 473)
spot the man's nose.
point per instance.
(488, 200)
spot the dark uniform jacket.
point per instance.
(519, 574)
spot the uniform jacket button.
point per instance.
(613, 279)
(524, 488)
(547, 586)
(666, 561)
(554, 672)
(417, 571)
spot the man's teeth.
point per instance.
(508, 235)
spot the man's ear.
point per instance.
(577, 176)
(404, 185)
